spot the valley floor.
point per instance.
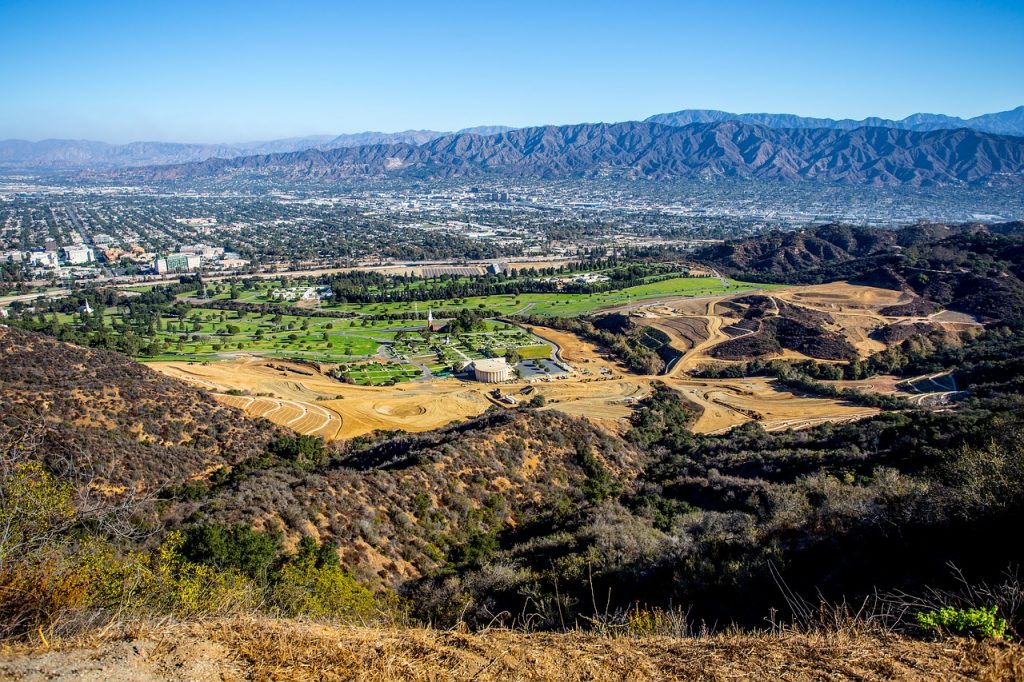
(601, 389)
(259, 649)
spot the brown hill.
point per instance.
(118, 423)
(970, 268)
(397, 508)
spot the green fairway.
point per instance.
(557, 304)
(209, 333)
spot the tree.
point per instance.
(306, 452)
(231, 547)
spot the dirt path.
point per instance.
(262, 649)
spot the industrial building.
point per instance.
(492, 370)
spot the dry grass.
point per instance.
(261, 649)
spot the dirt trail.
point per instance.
(263, 649)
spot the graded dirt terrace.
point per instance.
(308, 401)
(601, 388)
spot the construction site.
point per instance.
(305, 398)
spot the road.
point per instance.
(86, 237)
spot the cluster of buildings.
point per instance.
(52, 257)
(196, 256)
(72, 258)
(581, 278)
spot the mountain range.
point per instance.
(867, 155)
(59, 154)
(1002, 123)
(76, 154)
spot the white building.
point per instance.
(207, 252)
(12, 257)
(78, 254)
(492, 370)
(43, 259)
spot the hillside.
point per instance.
(396, 506)
(880, 156)
(529, 517)
(467, 520)
(74, 154)
(119, 424)
(970, 268)
(1001, 123)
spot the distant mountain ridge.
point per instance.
(1001, 123)
(61, 154)
(879, 156)
(74, 154)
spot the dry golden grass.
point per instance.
(837, 297)
(262, 649)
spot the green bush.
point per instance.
(311, 583)
(979, 623)
(237, 547)
(306, 452)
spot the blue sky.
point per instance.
(233, 71)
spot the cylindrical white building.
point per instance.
(492, 370)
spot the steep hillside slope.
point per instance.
(969, 268)
(120, 424)
(396, 507)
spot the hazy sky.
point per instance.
(233, 71)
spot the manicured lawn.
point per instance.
(562, 305)
(206, 333)
(378, 373)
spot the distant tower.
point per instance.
(430, 320)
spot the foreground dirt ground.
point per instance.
(260, 649)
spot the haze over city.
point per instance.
(242, 71)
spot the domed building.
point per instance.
(492, 370)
